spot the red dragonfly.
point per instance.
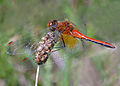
(68, 33)
(59, 31)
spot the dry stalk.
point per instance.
(43, 50)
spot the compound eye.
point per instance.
(51, 24)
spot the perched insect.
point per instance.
(59, 31)
(68, 33)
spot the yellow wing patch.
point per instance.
(69, 40)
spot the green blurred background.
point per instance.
(93, 65)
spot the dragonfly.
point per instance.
(69, 33)
(59, 32)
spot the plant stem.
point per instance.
(37, 75)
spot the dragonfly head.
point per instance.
(52, 25)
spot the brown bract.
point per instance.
(45, 47)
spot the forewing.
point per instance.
(22, 48)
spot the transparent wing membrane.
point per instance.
(25, 50)
(22, 46)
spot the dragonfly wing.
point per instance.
(21, 48)
(69, 40)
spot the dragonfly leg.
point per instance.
(63, 43)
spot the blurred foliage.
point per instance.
(96, 18)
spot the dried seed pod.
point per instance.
(46, 45)
(48, 51)
(44, 38)
(40, 48)
(41, 42)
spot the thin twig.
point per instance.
(37, 75)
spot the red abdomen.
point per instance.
(77, 34)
